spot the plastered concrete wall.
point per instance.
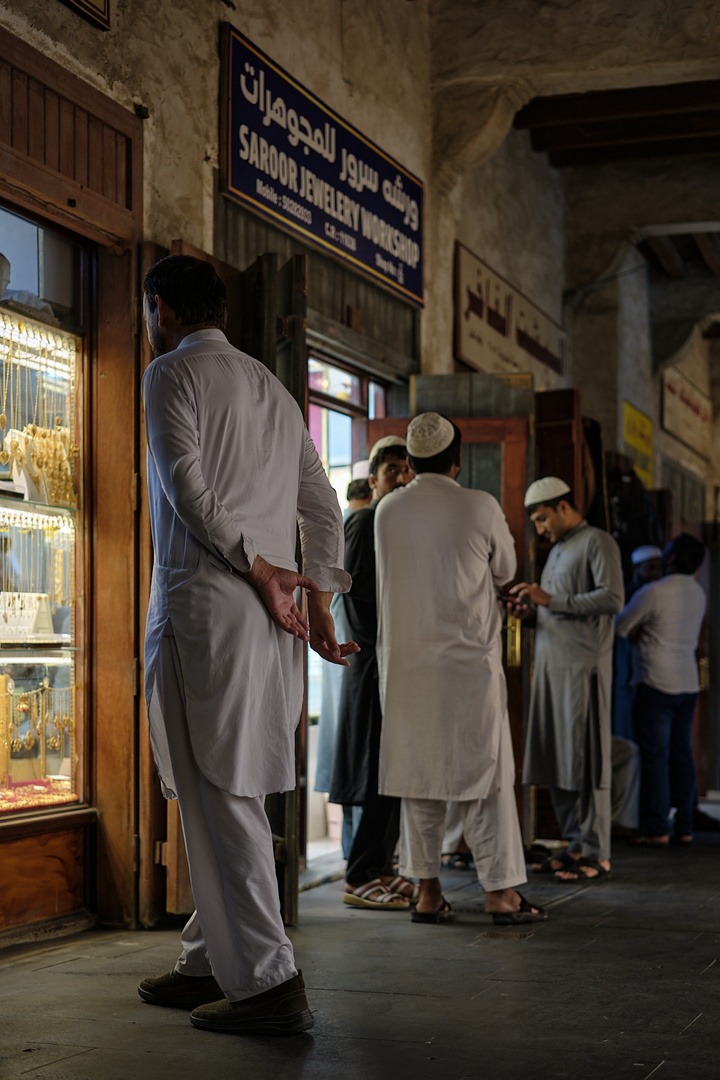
(605, 203)
(565, 46)
(513, 217)
(367, 59)
(510, 213)
(595, 370)
(636, 383)
(694, 361)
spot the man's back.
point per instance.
(226, 422)
(440, 551)
(669, 613)
(442, 548)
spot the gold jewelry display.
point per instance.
(40, 437)
(38, 407)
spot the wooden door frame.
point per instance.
(72, 157)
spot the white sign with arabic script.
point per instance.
(686, 412)
(499, 330)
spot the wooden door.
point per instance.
(495, 458)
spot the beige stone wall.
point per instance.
(636, 383)
(510, 212)
(693, 360)
(367, 59)
(574, 45)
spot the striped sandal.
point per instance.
(375, 894)
(402, 886)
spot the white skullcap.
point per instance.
(545, 490)
(429, 434)
(642, 554)
(361, 470)
(382, 444)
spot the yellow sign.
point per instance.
(638, 440)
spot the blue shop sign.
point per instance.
(295, 161)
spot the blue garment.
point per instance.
(623, 692)
(663, 731)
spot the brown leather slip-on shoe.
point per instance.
(282, 1010)
(178, 991)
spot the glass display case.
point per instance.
(41, 559)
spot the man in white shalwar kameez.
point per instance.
(441, 551)
(231, 473)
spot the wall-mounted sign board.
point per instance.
(498, 329)
(686, 412)
(289, 157)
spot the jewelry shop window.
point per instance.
(41, 556)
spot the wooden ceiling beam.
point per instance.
(644, 129)
(620, 104)
(667, 254)
(594, 155)
(709, 247)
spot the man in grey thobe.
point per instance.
(568, 738)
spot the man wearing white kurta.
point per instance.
(231, 473)
(441, 550)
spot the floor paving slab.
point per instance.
(622, 981)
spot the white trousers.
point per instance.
(490, 825)
(236, 931)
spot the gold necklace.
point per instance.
(6, 373)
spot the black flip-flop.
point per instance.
(526, 913)
(443, 914)
(577, 869)
(566, 861)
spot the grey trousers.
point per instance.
(585, 820)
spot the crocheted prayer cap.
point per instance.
(382, 444)
(545, 490)
(645, 552)
(429, 434)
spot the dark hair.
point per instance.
(442, 462)
(687, 551)
(358, 489)
(552, 504)
(396, 450)
(190, 287)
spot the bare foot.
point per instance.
(430, 899)
(556, 862)
(504, 900)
